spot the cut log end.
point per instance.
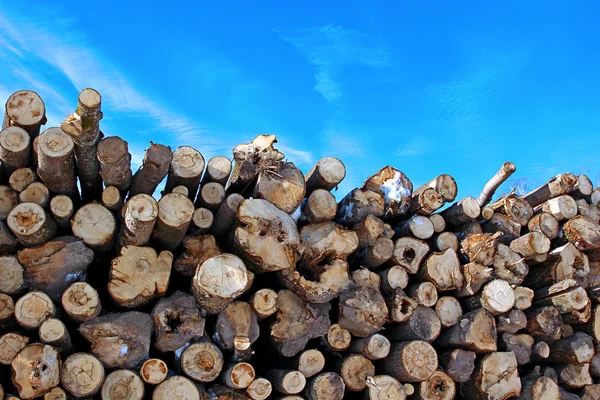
(81, 302)
(35, 370)
(154, 371)
(26, 109)
(122, 384)
(95, 225)
(32, 309)
(176, 387)
(202, 361)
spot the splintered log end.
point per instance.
(282, 185)
(326, 240)
(384, 387)
(496, 377)
(81, 302)
(395, 187)
(35, 370)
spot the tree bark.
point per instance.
(459, 364)
(514, 207)
(374, 347)
(583, 233)
(225, 216)
(174, 216)
(82, 364)
(55, 162)
(153, 371)
(444, 184)
(424, 324)
(566, 296)
(8, 241)
(362, 311)
(21, 178)
(236, 330)
(186, 169)
(35, 370)
(565, 262)
(412, 361)
(95, 225)
(115, 161)
(357, 204)
(544, 323)
(462, 212)
(112, 199)
(7, 311)
(239, 376)
(61, 208)
(139, 217)
(218, 170)
(177, 322)
(325, 386)
(560, 184)
(155, 167)
(493, 184)
(426, 202)
(8, 200)
(393, 278)
(495, 377)
(369, 230)
(81, 302)
(15, 148)
(511, 322)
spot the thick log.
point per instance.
(36, 193)
(308, 362)
(562, 207)
(322, 283)
(566, 296)
(583, 233)
(282, 185)
(239, 376)
(530, 245)
(362, 311)
(218, 170)
(139, 217)
(55, 162)
(31, 224)
(236, 330)
(394, 187)
(26, 110)
(197, 249)
(7, 311)
(285, 381)
(81, 302)
(560, 184)
(177, 321)
(354, 370)
(409, 253)
(202, 221)
(443, 241)
(326, 240)
(358, 204)
(13, 281)
(424, 293)
(476, 331)
(115, 161)
(176, 387)
(374, 347)
(537, 387)
(327, 173)
(495, 182)
(497, 297)
(575, 349)
(210, 196)
(297, 323)
(439, 386)
(226, 215)
(540, 351)
(120, 340)
(369, 230)
(54, 333)
(95, 225)
(153, 371)
(82, 375)
(495, 377)
(544, 323)
(595, 196)
(10, 345)
(462, 212)
(418, 226)
(122, 384)
(153, 170)
(377, 254)
(325, 386)
(511, 322)
(480, 248)
(15, 148)
(426, 202)
(449, 311)
(573, 376)
(35, 370)
(186, 169)
(444, 184)
(502, 223)
(514, 207)
(474, 277)
(174, 216)
(202, 361)
(565, 262)
(459, 364)
(412, 361)
(218, 281)
(521, 345)
(320, 206)
(21, 178)
(509, 265)
(424, 324)
(545, 223)
(443, 270)
(33, 308)
(266, 237)
(61, 208)
(111, 198)
(53, 266)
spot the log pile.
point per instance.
(247, 279)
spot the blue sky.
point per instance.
(428, 87)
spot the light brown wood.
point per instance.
(573, 376)
(174, 216)
(320, 206)
(202, 361)
(153, 170)
(444, 184)
(122, 384)
(426, 202)
(443, 241)
(337, 338)
(368, 230)
(439, 224)
(25, 109)
(566, 296)
(197, 249)
(186, 169)
(81, 302)
(514, 207)
(325, 386)
(181, 190)
(111, 198)
(560, 184)
(176, 387)
(236, 330)
(423, 324)
(395, 277)
(495, 377)
(521, 345)
(15, 148)
(354, 370)
(10, 345)
(286, 381)
(264, 302)
(326, 240)
(480, 248)
(418, 226)
(31, 224)
(21, 178)
(530, 244)
(177, 322)
(564, 262)
(495, 182)
(540, 351)
(577, 349)
(509, 265)
(56, 393)
(449, 311)
(218, 170)
(95, 225)
(409, 253)
(384, 387)
(412, 361)
(374, 347)
(544, 323)
(53, 332)
(439, 386)
(309, 362)
(259, 389)
(239, 376)
(36, 193)
(33, 308)
(357, 204)
(590, 392)
(35, 370)
(497, 297)
(82, 375)
(377, 254)
(266, 237)
(523, 297)
(400, 305)
(476, 331)
(119, 340)
(55, 162)
(138, 275)
(502, 223)
(11, 272)
(595, 196)
(462, 212)
(139, 217)
(424, 293)
(153, 371)
(443, 270)
(202, 221)
(583, 233)
(562, 207)
(115, 160)
(459, 364)
(327, 173)
(61, 208)
(226, 215)
(362, 311)
(282, 185)
(211, 196)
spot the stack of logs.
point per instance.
(248, 280)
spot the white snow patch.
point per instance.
(123, 351)
(296, 214)
(394, 190)
(72, 277)
(346, 210)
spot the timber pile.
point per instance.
(248, 280)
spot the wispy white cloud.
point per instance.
(296, 155)
(331, 49)
(414, 146)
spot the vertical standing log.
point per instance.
(326, 174)
(35, 370)
(26, 110)
(15, 148)
(218, 170)
(55, 162)
(21, 178)
(95, 225)
(174, 216)
(81, 302)
(186, 169)
(74, 367)
(560, 184)
(139, 217)
(31, 224)
(115, 160)
(493, 184)
(61, 208)
(155, 167)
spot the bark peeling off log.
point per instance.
(197, 249)
(35, 370)
(153, 170)
(282, 185)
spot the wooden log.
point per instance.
(502, 223)
(459, 364)
(11, 271)
(362, 277)
(511, 322)
(56, 393)
(82, 375)
(444, 241)
(139, 217)
(61, 208)
(7, 311)
(26, 110)
(497, 297)
(218, 281)
(309, 362)
(474, 277)
(336, 338)
(95, 225)
(409, 253)
(31, 224)
(55, 162)
(400, 306)
(595, 196)
(202, 361)
(560, 184)
(239, 376)
(111, 198)
(384, 387)
(575, 349)
(395, 277)
(523, 297)
(476, 331)
(115, 161)
(225, 216)
(236, 330)
(573, 376)
(320, 206)
(286, 381)
(462, 212)
(590, 211)
(495, 377)
(592, 327)
(362, 311)
(54, 333)
(470, 228)
(538, 387)
(566, 296)
(439, 225)
(369, 230)
(357, 205)
(176, 387)
(153, 170)
(122, 384)
(282, 185)
(21, 178)
(8, 241)
(264, 303)
(53, 266)
(81, 302)
(544, 323)
(327, 174)
(444, 184)
(426, 202)
(33, 308)
(181, 190)
(174, 216)
(530, 244)
(218, 170)
(325, 386)
(259, 389)
(266, 237)
(412, 361)
(374, 347)
(540, 351)
(186, 169)
(583, 233)
(326, 240)
(449, 311)
(438, 386)
(480, 248)
(521, 345)
(153, 371)
(354, 370)
(10, 345)
(197, 249)
(564, 262)
(36, 193)
(377, 254)
(120, 340)
(210, 196)
(509, 265)
(418, 226)
(297, 323)
(202, 221)
(495, 182)
(177, 321)
(424, 293)
(514, 207)
(562, 207)
(443, 270)
(590, 392)
(15, 148)
(424, 324)
(35, 370)
(138, 275)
